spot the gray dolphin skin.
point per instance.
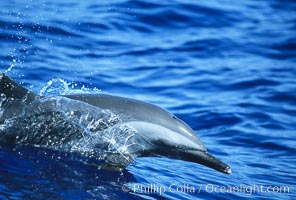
(122, 128)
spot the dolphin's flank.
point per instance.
(111, 128)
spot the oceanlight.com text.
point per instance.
(208, 188)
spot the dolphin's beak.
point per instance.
(208, 160)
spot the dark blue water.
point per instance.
(227, 68)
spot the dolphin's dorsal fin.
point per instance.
(12, 89)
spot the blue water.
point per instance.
(226, 67)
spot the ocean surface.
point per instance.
(227, 68)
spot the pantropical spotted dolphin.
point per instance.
(115, 129)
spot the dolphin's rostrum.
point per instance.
(114, 129)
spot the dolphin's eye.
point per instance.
(174, 117)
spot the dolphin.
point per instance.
(115, 129)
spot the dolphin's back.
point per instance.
(134, 110)
(131, 108)
(12, 89)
